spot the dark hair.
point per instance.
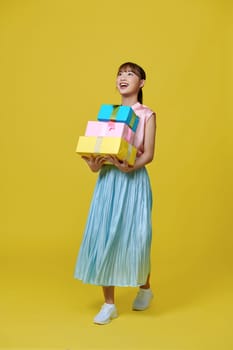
(139, 71)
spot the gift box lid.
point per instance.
(119, 113)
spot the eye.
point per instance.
(130, 73)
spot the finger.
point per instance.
(109, 158)
(99, 159)
(116, 160)
(125, 163)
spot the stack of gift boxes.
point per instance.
(112, 134)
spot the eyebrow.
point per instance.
(126, 70)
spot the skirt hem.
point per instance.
(111, 285)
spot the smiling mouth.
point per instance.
(124, 85)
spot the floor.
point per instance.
(43, 307)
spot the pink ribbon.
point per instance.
(111, 125)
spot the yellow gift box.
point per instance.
(96, 145)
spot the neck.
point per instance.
(128, 101)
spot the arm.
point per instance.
(149, 148)
(149, 144)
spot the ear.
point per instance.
(142, 83)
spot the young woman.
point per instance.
(115, 250)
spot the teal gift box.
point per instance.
(123, 114)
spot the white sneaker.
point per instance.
(143, 299)
(106, 314)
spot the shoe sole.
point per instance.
(108, 321)
(138, 309)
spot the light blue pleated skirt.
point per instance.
(115, 250)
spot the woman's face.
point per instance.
(128, 83)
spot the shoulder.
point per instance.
(143, 111)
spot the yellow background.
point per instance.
(58, 62)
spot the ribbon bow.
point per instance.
(111, 125)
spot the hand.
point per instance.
(95, 163)
(121, 165)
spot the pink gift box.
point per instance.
(112, 129)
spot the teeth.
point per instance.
(123, 85)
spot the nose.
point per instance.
(122, 76)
